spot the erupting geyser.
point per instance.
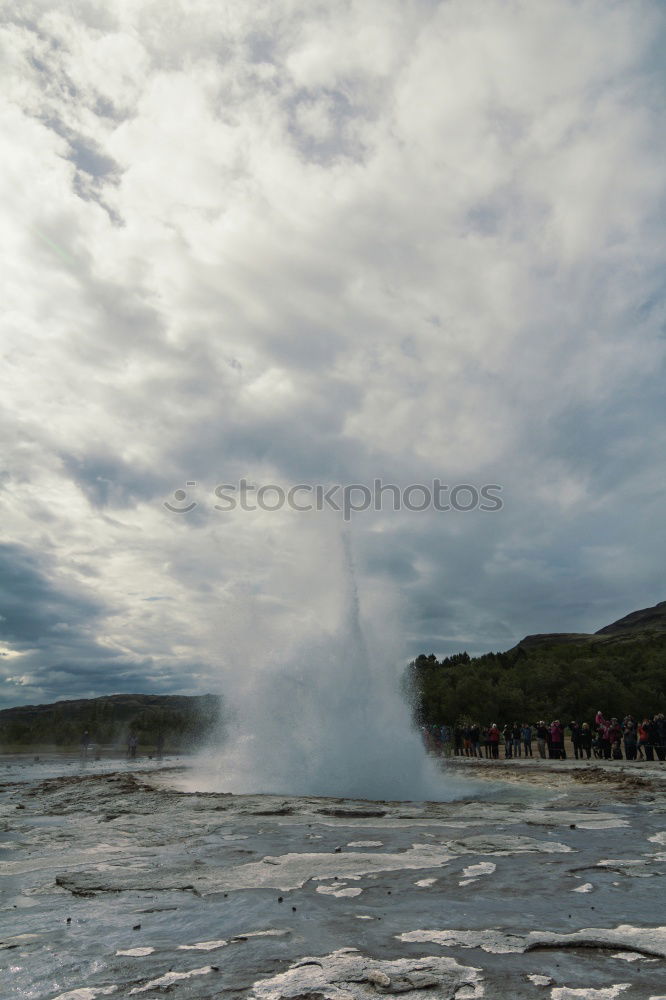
(331, 721)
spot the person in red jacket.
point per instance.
(557, 740)
(494, 738)
(643, 740)
(615, 737)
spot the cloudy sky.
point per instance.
(302, 243)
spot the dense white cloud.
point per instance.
(324, 243)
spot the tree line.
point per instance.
(564, 681)
(181, 721)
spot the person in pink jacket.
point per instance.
(557, 740)
(604, 735)
(493, 739)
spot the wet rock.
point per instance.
(178, 848)
(378, 978)
(347, 973)
(590, 993)
(291, 872)
(281, 811)
(343, 813)
(482, 868)
(650, 941)
(209, 945)
(170, 979)
(541, 980)
(503, 844)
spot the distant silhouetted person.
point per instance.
(515, 739)
(85, 740)
(576, 729)
(526, 735)
(542, 733)
(132, 743)
(630, 741)
(494, 739)
(659, 730)
(475, 736)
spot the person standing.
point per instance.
(615, 731)
(507, 735)
(132, 744)
(615, 737)
(644, 747)
(630, 742)
(475, 737)
(85, 741)
(575, 729)
(542, 738)
(585, 740)
(494, 738)
(557, 740)
(526, 736)
(660, 735)
(516, 738)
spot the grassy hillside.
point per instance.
(182, 721)
(620, 669)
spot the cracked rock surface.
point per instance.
(117, 881)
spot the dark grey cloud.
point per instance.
(109, 481)
(88, 157)
(33, 603)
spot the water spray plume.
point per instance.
(328, 720)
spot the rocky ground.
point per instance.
(119, 882)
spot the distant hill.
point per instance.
(182, 720)
(553, 638)
(567, 675)
(647, 621)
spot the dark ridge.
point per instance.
(177, 720)
(648, 619)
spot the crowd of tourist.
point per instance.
(604, 739)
